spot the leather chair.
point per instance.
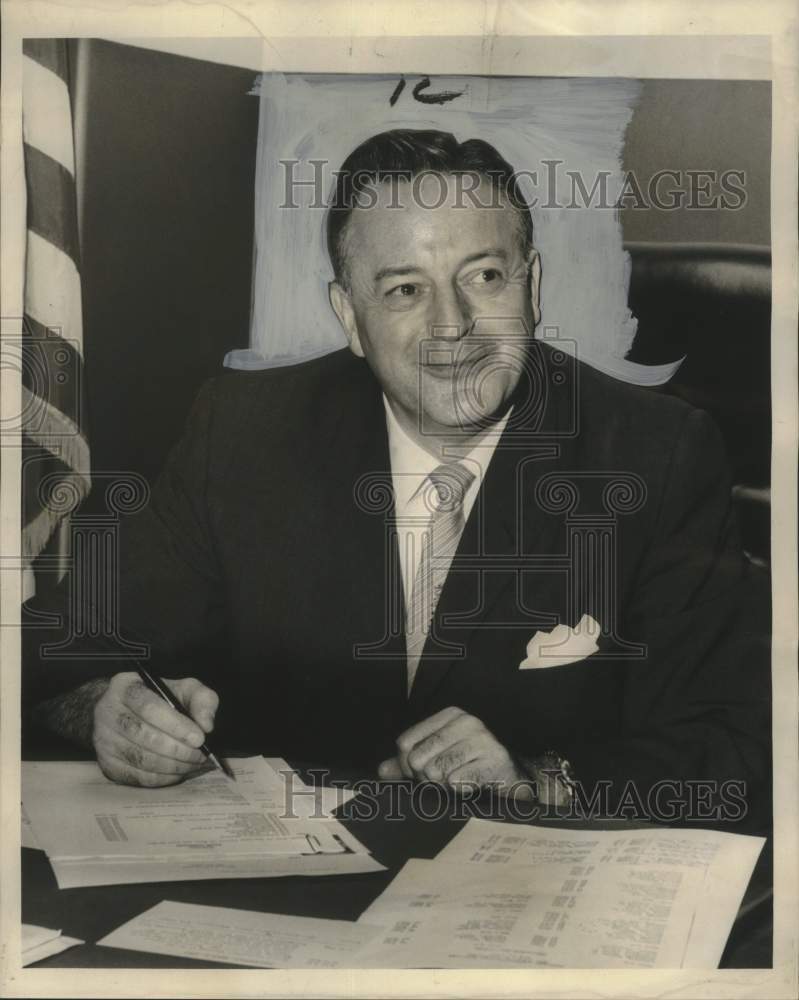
(712, 303)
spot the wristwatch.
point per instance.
(554, 778)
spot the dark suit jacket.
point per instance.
(265, 563)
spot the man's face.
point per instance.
(441, 301)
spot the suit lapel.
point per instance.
(360, 519)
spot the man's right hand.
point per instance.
(140, 740)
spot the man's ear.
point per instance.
(534, 270)
(341, 301)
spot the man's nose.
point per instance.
(451, 315)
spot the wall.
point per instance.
(702, 125)
(166, 158)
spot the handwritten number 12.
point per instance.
(443, 97)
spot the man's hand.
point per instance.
(452, 748)
(140, 740)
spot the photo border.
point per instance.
(681, 39)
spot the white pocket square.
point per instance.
(562, 645)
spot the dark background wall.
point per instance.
(166, 165)
(166, 157)
(702, 125)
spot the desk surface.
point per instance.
(91, 913)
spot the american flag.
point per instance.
(55, 475)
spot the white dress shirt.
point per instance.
(410, 467)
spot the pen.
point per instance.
(160, 688)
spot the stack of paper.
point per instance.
(41, 942)
(290, 793)
(501, 896)
(98, 833)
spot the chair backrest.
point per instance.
(712, 303)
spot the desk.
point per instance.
(393, 835)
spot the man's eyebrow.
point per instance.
(396, 272)
(405, 269)
(489, 252)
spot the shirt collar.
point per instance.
(410, 463)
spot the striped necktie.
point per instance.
(445, 489)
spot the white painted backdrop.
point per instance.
(323, 117)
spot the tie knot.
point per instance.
(451, 480)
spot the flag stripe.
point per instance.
(52, 290)
(52, 345)
(46, 114)
(53, 369)
(47, 501)
(52, 210)
(50, 53)
(55, 433)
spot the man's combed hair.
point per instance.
(403, 154)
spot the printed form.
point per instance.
(96, 832)
(470, 915)
(243, 937)
(723, 863)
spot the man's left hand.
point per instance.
(452, 748)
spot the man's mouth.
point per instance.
(458, 355)
(452, 364)
(440, 368)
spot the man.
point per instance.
(359, 558)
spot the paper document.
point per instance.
(566, 916)
(298, 798)
(96, 832)
(41, 942)
(83, 814)
(725, 862)
(79, 873)
(243, 937)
